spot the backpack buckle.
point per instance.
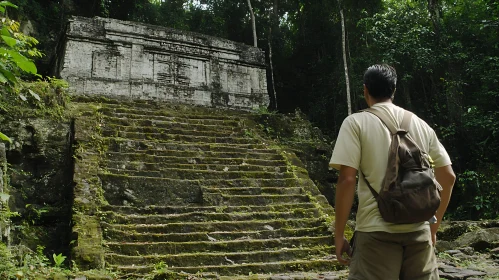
(401, 132)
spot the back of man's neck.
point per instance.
(378, 101)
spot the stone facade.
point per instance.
(126, 59)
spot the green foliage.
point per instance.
(15, 50)
(46, 98)
(58, 259)
(448, 74)
(447, 58)
(6, 266)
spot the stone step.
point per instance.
(149, 248)
(126, 145)
(145, 156)
(191, 227)
(111, 129)
(131, 236)
(123, 111)
(151, 209)
(195, 158)
(254, 191)
(160, 183)
(222, 258)
(178, 137)
(140, 165)
(116, 218)
(173, 123)
(181, 119)
(189, 174)
(124, 189)
(260, 199)
(326, 264)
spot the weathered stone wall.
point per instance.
(41, 172)
(139, 61)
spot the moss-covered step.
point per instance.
(165, 112)
(179, 119)
(127, 145)
(220, 183)
(253, 191)
(196, 159)
(144, 155)
(173, 123)
(189, 227)
(178, 137)
(143, 191)
(264, 199)
(131, 236)
(141, 165)
(117, 218)
(111, 129)
(190, 174)
(215, 258)
(150, 248)
(326, 264)
(153, 210)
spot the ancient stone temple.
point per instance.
(160, 181)
(118, 58)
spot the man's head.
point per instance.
(380, 80)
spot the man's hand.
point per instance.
(342, 246)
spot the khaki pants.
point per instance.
(392, 256)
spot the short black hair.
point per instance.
(381, 81)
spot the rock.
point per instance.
(452, 252)
(443, 246)
(480, 240)
(467, 250)
(461, 256)
(449, 272)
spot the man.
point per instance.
(383, 250)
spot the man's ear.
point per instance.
(366, 95)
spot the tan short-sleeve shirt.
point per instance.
(363, 144)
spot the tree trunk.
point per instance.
(274, 17)
(272, 69)
(433, 8)
(343, 42)
(253, 24)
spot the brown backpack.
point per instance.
(409, 193)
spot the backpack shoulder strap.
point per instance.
(375, 194)
(406, 121)
(384, 119)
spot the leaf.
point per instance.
(5, 138)
(7, 4)
(3, 79)
(23, 98)
(4, 197)
(5, 31)
(36, 96)
(2, 9)
(22, 62)
(9, 75)
(11, 42)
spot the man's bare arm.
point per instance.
(445, 177)
(345, 192)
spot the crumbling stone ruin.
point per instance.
(109, 57)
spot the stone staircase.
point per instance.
(196, 190)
